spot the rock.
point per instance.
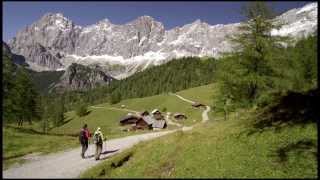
(54, 42)
(79, 77)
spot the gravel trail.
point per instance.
(69, 164)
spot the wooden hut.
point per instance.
(197, 105)
(142, 124)
(159, 124)
(129, 119)
(179, 116)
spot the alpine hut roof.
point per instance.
(179, 115)
(197, 104)
(129, 119)
(159, 124)
(148, 119)
(154, 111)
(144, 113)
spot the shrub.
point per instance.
(82, 110)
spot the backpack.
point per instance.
(97, 139)
(82, 135)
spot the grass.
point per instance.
(108, 119)
(17, 144)
(203, 94)
(221, 149)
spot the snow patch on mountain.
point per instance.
(124, 49)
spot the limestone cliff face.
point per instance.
(79, 77)
(55, 42)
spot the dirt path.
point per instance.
(205, 116)
(182, 98)
(169, 121)
(69, 164)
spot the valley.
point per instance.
(232, 100)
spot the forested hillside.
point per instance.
(176, 75)
(45, 79)
(20, 97)
(170, 77)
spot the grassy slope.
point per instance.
(219, 149)
(108, 119)
(18, 143)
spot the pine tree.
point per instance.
(250, 70)
(25, 98)
(8, 90)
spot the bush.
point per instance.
(82, 110)
(164, 109)
(115, 98)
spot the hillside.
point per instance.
(220, 149)
(232, 148)
(103, 116)
(173, 76)
(45, 79)
(108, 119)
(170, 103)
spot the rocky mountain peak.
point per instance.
(104, 21)
(80, 77)
(145, 18)
(124, 49)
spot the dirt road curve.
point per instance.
(204, 113)
(69, 164)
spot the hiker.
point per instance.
(98, 141)
(84, 139)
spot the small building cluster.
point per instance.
(144, 120)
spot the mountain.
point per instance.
(17, 59)
(80, 77)
(55, 42)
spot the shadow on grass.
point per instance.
(291, 109)
(106, 152)
(305, 145)
(66, 121)
(87, 113)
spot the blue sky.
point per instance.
(17, 15)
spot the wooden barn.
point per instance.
(141, 124)
(129, 119)
(159, 124)
(144, 121)
(179, 116)
(197, 105)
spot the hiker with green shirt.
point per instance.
(98, 141)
